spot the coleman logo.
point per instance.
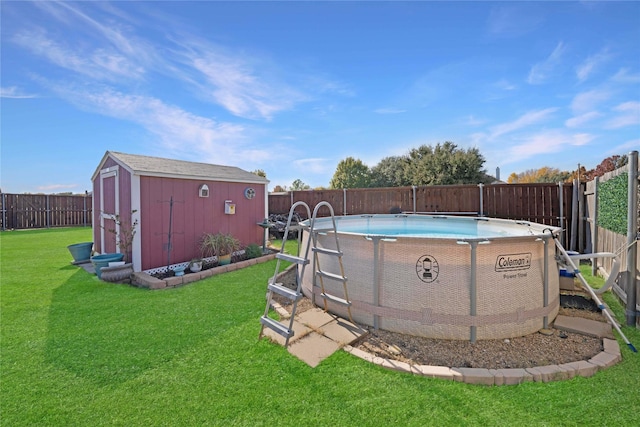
(513, 262)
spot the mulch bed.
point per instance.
(521, 352)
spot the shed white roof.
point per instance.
(157, 166)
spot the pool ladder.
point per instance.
(302, 261)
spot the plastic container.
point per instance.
(103, 260)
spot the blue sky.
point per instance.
(294, 87)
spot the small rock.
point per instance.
(394, 350)
(547, 332)
(507, 340)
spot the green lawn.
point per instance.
(79, 352)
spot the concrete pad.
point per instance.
(299, 332)
(313, 348)
(342, 331)
(568, 284)
(86, 266)
(316, 317)
(584, 326)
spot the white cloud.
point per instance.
(312, 165)
(509, 20)
(505, 85)
(629, 115)
(580, 139)
(177, 130)
(589, 100)
(248, 87)
(122, 41)
(624, 76)
(625, 147)
(582, 120)
(527, 119)
(101, 64)
(541, 71)
(584, 70)
(49, 188)
(548, 142)
(15, 93)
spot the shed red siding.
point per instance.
(193, 216)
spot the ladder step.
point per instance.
(276, 326)
(292, 294)
(331, 276)
(336, 299)
(292, 258)
(327, 251)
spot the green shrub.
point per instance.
(253, 251)
(612, 204)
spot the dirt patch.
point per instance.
(536, 349)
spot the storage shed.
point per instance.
(162, 196)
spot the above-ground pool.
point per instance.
(441, 276)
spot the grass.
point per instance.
(78, 351)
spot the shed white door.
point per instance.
(109, 209)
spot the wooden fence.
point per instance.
(542, 203)
(19, 211)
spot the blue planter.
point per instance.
(103, 260)
(80, 252)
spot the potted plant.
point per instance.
(195, 265)
(219, 245)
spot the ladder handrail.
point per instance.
(265, 321)
(286, 233)
(302, 261)
(316, 262)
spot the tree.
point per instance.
(260, 172)
(544, 174)
(581, 174)
(607, 165)
(389, 172)
(445, 164)
(351, 173)
(298, 185)
(279, 188)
